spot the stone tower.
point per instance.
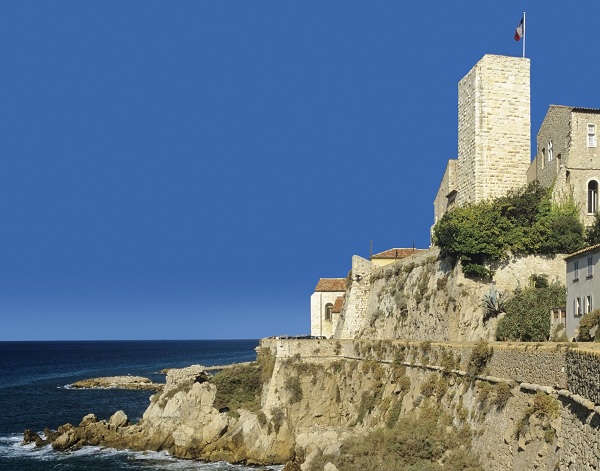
(493, 128)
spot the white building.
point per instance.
(583, 285)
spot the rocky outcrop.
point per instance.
(117, 382)
(182, 419)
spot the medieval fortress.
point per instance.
(494, 157)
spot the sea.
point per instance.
(35, 393)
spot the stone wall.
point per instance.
(352, 314)
(583, 370)
(441, 203)
(507, 437)
(493, 128)
(423, 297)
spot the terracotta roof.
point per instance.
(577, 108)
(396, 253)
(591, 248)
(338, 305)
(331, 284)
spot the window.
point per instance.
(543, 157)
(575, 271)
(577, 306)
(550, 151)
(590, 266)
(592, 202)
(588, 304)
(328, 310)
(591, 135)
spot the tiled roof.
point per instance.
(338, 305)
(591, 248)
(396, 253)
(578, 108)
(331, 284)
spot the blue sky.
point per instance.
(189, 169)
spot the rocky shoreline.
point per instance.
(181, 419)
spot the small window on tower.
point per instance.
(591, 135)
(592, 203)
(550, 151)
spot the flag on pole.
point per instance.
(519, 31)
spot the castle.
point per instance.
(494, 142)
(494, 157)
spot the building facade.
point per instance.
(568, 159)
(326, 305)
(583, 285)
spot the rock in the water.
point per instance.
(29, 436)
(88, 419)
(118, 419)
(117, 382)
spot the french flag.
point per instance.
(519, 31)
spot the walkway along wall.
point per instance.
(511, 437)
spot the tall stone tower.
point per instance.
(494, 128)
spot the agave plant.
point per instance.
(494, 302)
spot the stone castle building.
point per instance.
(494, 129)
(494, 142)
(568, 159)
(494, 157)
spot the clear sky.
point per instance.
(189, 169)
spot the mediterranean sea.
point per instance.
(34, 394)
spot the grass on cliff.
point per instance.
(240, 386)
(427, 443)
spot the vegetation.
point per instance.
(527, 313)
(546, 408)
(238, 386)
(587, 324)
(494, 303)
(480, 356)
(428, 442)
(525, 221)
(593, 233)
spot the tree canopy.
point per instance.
(525, 221)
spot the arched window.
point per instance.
(328, 310)
(592, 201)
(550, 151)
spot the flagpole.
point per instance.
(524, 35)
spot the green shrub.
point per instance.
(528, 314)
(480, 356)
(586, 324)
(293, 386)
(525, 221)
(277, 418)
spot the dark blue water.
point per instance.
(34, 393)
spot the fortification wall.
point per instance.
(506, 437)
(423, 297)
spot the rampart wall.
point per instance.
(569, 373)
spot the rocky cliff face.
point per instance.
(424, 297)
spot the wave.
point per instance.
(12, 450)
